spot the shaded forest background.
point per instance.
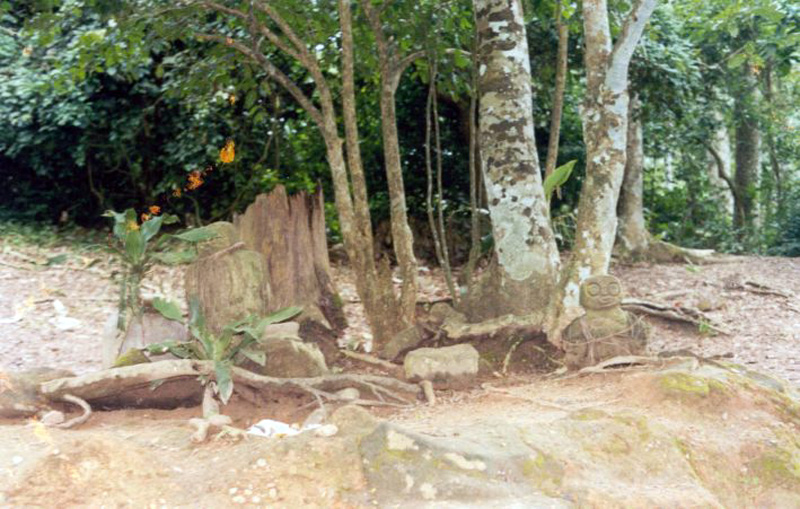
(93, 117)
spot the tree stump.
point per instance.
(289, 234)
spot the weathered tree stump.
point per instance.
(289, 233)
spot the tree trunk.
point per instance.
(633, 239)
(391, 70)
(605, 132)
(524, 272)
(748, 140)
(289, 233)
(719, 165)
(558, 93)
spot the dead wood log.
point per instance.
(113, 386)
(684, 314)
(664, 252)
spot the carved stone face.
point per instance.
(601, 292)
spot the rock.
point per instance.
(52, 418)
(707, 301)
(288, 358)
(291, 329)
(151, 328)
(19, 392)
(401, 342)
(354, 419)
(441, 312)
(413, 469)
(326, 430)
(349, 393)
(315, 418)
(452, 365)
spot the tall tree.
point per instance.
(605, 126)
(633, 238)
(747, 147)
(526, 263)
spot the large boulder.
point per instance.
(287, 356)
(451, 365)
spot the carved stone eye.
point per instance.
(614, 289)
(593, 289)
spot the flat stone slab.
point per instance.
(456, 364)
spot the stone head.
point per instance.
(601, 292)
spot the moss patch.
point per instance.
(776, 467)
(545, 472)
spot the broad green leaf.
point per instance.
(151, 227)
(222, 372)
(196, 235)
(57, 259)
(168, 309)
(256, 356)
(558, 178)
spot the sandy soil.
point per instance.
(764, 329)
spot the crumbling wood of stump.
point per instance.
(678, 313)
(116, 381)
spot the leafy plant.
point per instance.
(558, 178)
(137, 245)
(226, 349)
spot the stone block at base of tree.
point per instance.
(401, 342)
(450, 365)
(288, 357)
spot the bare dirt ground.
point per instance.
(764, 329)
(53, 315)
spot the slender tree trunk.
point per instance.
(605, 132)
(633, 239)
(402, 239)
(720, 162)
(748, 139)
(526, 257)
(558, 93)
(774, 162)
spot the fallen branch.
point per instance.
(664, 252)
(145, 380)
(684, 314)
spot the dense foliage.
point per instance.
(105, 106)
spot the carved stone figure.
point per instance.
(606, 330)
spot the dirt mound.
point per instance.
(683, 434)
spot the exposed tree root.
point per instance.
(663, 252)
(393, 369)
(145, 380)
(678, 313)
(87, 412)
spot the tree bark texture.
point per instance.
(526, 255)
(558, 93)
(289, 233)
(402, 238)
(633, 239)
(605, 132)
(720, 162)
(748, 139)
(374, 289)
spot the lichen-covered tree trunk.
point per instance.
(720, 162)
(633, 239)
(605, 132)
(527, 260)
(748, 140)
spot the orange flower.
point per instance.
(227, 153)
(155, 210)
(177, 192)
(232, 99)
(132, 226)
(195, 180)
(145, 217)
